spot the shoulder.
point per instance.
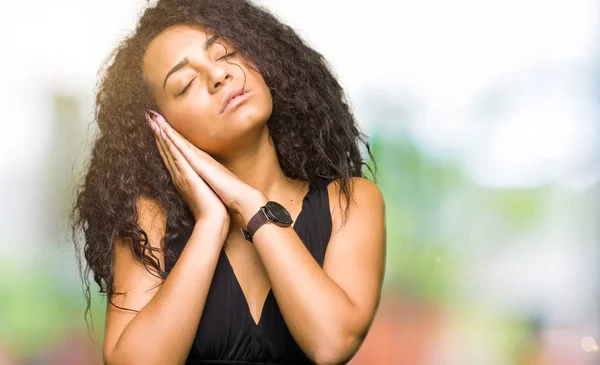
(134, 283)
(150, 214)
(129, 271)
(365, 198)
(152, 219)
(360, 189)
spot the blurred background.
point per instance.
(484, 119)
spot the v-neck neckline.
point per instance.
(311, 186)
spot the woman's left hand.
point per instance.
(232, 191)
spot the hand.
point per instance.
(233, 192)
(203, 202)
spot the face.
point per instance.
(190, 73)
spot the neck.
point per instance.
(257, 165)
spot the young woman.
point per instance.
(224, 211)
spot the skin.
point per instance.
(225, 167)
(197, 113)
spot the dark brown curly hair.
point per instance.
(312, 126)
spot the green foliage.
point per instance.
(37, 307)
(436, 215)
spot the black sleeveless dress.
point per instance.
(227, 333)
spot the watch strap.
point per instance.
(255, 223)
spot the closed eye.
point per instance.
(186, 87)
(230, 54)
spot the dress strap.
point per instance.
(315, 227)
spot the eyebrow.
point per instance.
(209, 42)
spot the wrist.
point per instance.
(218, 226)
(251, 205)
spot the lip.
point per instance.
(233, 98)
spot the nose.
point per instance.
(218, 76)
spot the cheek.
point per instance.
(267, 98)
(266, 104)
(263, 104)
(193, 120)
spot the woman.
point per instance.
(225, 211)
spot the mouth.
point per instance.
(234, 98)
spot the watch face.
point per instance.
(278, 213)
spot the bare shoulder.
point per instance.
(355, 255)
(151, 217)
(366, 199)
(128, 271)
(134, 280)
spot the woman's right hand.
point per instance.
(205, 205)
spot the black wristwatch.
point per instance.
(270, 212)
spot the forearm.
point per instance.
(316, 310)
(175, 311)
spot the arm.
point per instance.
(328, 310)
(164, 328)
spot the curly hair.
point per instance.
(312, 126)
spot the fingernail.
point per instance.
(148, 119)
(150, 122)
(157, 115)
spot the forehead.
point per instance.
(169, 47)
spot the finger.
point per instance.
(165, 156)
(183, 165)
(166, 152)
(185, 169)
(159, 125)
(159, 138)
(192, 154)
(199, 160)
(177, 159)
(180, 141)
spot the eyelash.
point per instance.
(190, 83)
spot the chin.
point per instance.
(249, 116)
(242, 126)
(246, 123)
